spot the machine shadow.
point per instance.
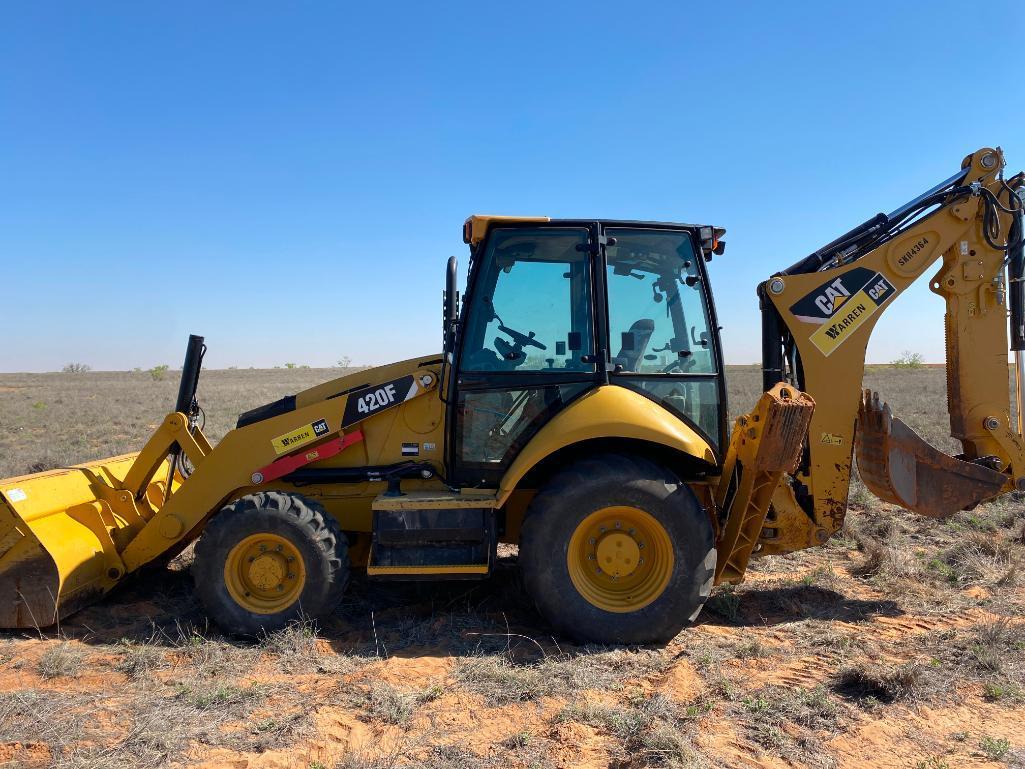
(421, 619)
(792, 603)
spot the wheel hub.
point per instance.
(620, 558)
(265, 573)
(617, 554)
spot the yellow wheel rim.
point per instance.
(265, 573)
(620, 559)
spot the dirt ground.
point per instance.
(901, 643)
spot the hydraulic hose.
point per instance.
(876, 228)
(1016, 304)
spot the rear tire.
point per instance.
(617, 549)
(268, 559)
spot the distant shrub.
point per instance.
(908, 359)
(158, 372)
(344, 362)
(291, 365)
(77, 368)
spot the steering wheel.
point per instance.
(681, 364)
(523, 340)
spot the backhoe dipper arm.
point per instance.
(817, 319)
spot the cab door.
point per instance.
(663, 338)
(527, 347)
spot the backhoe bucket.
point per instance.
(898, 466)
(60, 535)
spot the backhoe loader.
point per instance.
(578, 410)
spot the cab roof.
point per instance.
(476, 227)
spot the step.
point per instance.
(433, 542)
(438, 499)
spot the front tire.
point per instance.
(617, 549)
(268, 559)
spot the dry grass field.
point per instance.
(901, 643)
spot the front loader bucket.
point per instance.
(898, 466)
(60, 537)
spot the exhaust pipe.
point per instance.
(186, 401)
(190, 374)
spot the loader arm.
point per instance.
(817, 319)
(70, 535)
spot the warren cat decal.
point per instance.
(842, 305)
(306, 434)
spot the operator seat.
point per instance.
(635, 342)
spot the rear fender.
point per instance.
(607, 412)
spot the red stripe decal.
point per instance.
(285, 465)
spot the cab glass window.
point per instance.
(660, 339)
(658, 317)
(530, 307)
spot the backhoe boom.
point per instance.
(818, 316)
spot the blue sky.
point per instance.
(289, 178)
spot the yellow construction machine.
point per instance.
(578, 410)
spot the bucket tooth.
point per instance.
(899, 466)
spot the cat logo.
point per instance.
(831, 299)
(823, 304)
(856, 310)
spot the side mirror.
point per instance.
(450, 307)
(711, 241)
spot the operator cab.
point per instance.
(555, 308)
